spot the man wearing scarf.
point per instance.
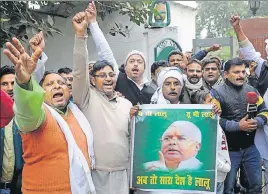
(170, 83)
(193, 80)
(56, 137)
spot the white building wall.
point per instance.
(183, 17)
(60, 48)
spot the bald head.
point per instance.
(186, 129)
(181, 141)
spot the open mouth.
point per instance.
(135, 70)
(108, 84)
(210, 76)
(10, 94)
(57, 95)
(173, 94)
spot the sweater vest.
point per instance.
(46, 168)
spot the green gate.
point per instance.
(164, 47)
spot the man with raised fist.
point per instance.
(57, 139)
(107, 112)
(249, 53)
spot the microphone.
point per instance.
(252, 99)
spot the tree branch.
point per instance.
(48, 13)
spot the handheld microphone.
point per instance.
(252, 99)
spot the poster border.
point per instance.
(171, 106)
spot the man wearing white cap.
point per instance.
(170, 83)
(132, 84)
(180, 144)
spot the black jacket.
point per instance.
(233, 101)
(131, 91)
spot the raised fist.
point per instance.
(37, 41)
(235, 20)
(91, 12)
(80, 23)
(214, 47)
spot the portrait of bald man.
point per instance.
(180, 144)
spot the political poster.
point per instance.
(174, 148)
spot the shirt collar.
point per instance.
(145, 81)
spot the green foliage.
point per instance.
(136, 10)
(214, 16)
(19, 19)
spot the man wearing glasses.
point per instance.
(107, 113)
(180, 144)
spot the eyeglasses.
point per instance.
(104, 75)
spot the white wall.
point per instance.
(184, 18)
(60, 48)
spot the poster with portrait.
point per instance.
(174, 148)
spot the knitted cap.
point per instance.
(135, 52)
(92, 62)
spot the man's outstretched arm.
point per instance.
(246, 47)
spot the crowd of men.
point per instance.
(70, 129)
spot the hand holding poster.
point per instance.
(174, 148)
